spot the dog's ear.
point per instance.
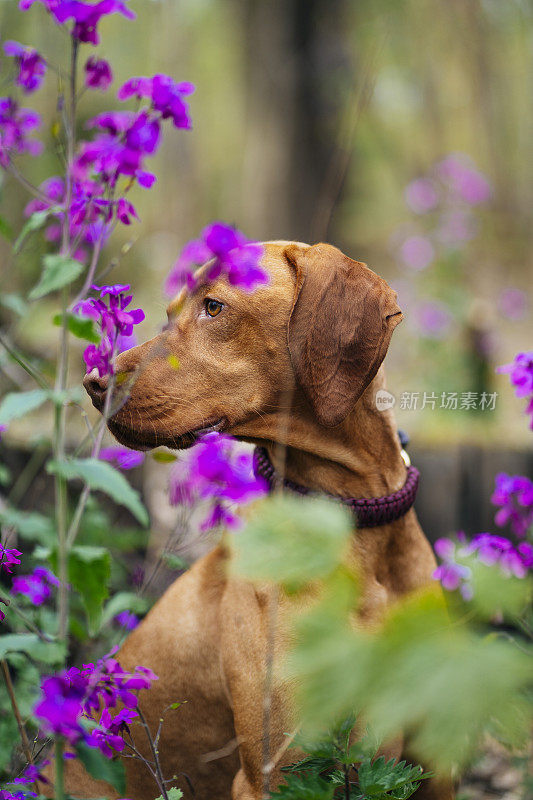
(340, 327)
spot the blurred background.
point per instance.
(401, 132)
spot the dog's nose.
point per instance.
(96, 387)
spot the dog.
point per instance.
(296, 363)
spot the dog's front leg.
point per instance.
(261, 713)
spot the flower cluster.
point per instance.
(488, 549)
(514, 493)
(233, 255)
(521, 376)
(31, 65)
(445, 200)
(9, 558)
(115, 322)
(16, 124)
(37, 587)
(122, 457)
(123, 142)
(126, 138)
(215, 470)
(84, 16)
(76, 703)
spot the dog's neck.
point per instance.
(359, 458)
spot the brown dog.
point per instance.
(296, 363)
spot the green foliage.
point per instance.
(103, 769)
(30, 525)
(293, 540)
(497, 592)
(35, 222)
(89, 571)
(173, 794)
(17, 404)
(304, 787)
(332, 768)
(442, 682)
(101, 475)
(31, 645)
(80, 327)
(15, 303)
(59, 271)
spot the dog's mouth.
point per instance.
(147, 440)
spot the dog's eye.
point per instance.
(212, 307)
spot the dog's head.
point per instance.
(308, 343)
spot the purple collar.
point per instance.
(369, 513)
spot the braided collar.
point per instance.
(368, 512)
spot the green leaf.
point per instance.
(58, 272)
(35, 222)
(5, 229)
(173, 794)
(15, 303)
(110, 770)
(33, 646)
(163, 456)
(100, 475)
(124, 601)
(17, 404)
(304, 787)
(81, 327)
(293, 540)
(30, 525)
(174, 562)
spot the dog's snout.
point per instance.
(96, 387)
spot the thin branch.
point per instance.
(16, 713)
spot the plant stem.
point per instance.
(16, 714)
(15, 355)
(26, 620)
(155, 753)
(62, 370)
(59, 771)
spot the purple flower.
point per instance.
(85, 16)
(122, 457)
(15, 125)
(98, 74)
(513, 303)
(32, 66)
(128, 620)
(37, 586)
(60, 708)
(470, 185)
(451, 574)
(3, 429)
(167, 97)
(217, 471)
(492, 549)
(521, 376)
(72, 696)
(9, 558)
(421, 195)
(434, 319)
(235, 257)
(417, 252)
(114, 320)
(514, 495)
